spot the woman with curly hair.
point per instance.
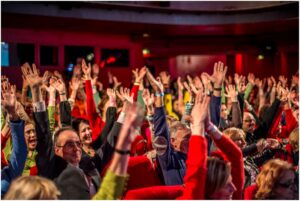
(276, 181)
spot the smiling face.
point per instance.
(30, 136)
(85, 133)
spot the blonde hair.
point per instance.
(235, 133)
(218, 172)
(32, 188)
(269, 176)
(294, 139)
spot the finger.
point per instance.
(34, 69)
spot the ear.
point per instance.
(173, 140)
(56, 150)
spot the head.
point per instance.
(237, 136)
(180, 136)
(248, 122)
(30, 136)
(67, 145)
(32, 188)
(218, 184)
(176, 105)
(224, 112)
(82, 127)
(276, 181)
(294, 139)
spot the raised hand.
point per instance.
(59, 85)
(206, 80)
(165, 78)
(219, 74)
(96, 70)
(198, 84)
(199, 114)
(116, 82)
(124, 95)
(295, 80)
(32, 76)
(156, 84)
(148, 98)
(139, 74)
(272, 143)
(231, 93)
(241, 84)
(179, 84)
(9, 100)
(75, 83)
(283, 80)
(251, 78)
(86, 69)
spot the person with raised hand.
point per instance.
(19, 151)
(97, 122)
(115, 178)
(236, 120)
(59, 158)
(172, 159)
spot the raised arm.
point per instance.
(195, 177)
(19, 152)
(113, 183)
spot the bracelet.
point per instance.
(218, 89)
(159, 94)
(64, 93)
(122, 152)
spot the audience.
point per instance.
(212, 136)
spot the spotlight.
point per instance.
(260, 57)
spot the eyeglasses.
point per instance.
(71, 145)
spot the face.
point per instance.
(224, 113)
(68, 146)
(85, 133)
(285, 187)
(181, 141)
(239, 141)
(30, 137)
(226, 192)
(176, 106)
(248, 122)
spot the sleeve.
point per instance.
(51, 112)
(248, 91)
(111, 115)
(44, 159)
(274, 126)
(140, 98)
(161, 130)
(65, 113)
(214, 106)
(17, 160)
(134, 91)
(195, 176)
(112, 187)
(223, 98)
(236, 115)
(235, 156)
(251, 149)
(90, 104)
(267, 119)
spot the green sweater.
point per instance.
(112, 187)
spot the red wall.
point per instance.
(60, 39)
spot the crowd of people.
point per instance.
(215, 136)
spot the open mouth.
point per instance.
(32, 142)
